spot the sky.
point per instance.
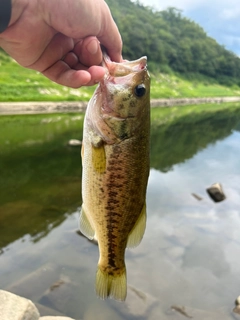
(219, 18)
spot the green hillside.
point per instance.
(182, 59)
(171, 40)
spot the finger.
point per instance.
(88, 51)
(85, 18)
(71, 60)
(110, 37)
(97, 74)
(62, 74)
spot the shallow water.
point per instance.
(189, 255)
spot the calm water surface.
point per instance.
(190, 254)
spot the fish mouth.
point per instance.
(121, 69)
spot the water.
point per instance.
(190, 252)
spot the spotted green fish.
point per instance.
(115, 158)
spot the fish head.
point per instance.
(126, 92)
(121, 100)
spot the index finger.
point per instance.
(110, 37)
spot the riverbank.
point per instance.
(8, 108)
(21, 84)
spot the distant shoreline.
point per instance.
(11, 108)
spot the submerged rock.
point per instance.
(35, 284)
(138, 304)
(13, 307)
(55, 318)
(45, 311)
(74, 143)
(196, 196)
(186, 312)
(100, 310)
(181, 310)
(216, 193)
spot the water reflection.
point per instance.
(39, 182)
(178, 140)
(189, 255)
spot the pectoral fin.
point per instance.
(135, 236)
(99, 158)
(85, 225)
(82, 151)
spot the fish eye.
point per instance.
(140, 90)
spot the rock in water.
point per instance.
(216, 193)
(13, 307)
(237, 308)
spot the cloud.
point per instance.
(186, 5)
(229, 14)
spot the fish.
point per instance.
(115, 169)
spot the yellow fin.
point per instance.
(82, 151)
(137, 232)
(112, 286)
(85, 226)
(99, 158)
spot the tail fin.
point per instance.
(112, 286)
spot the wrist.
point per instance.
(16, 8)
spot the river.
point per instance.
(188, 262)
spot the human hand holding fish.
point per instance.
(115, 159)
(61, 39)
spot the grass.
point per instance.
(167, 115)
(20, 84)
(174, 86)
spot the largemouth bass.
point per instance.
(115, 158)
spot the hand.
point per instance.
(61, 39)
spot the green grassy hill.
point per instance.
(172, 41)
(20, 84)
(182, 59)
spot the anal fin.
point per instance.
(137, 232)
(85, 225)
(82, 151)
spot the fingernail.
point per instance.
(92, 47)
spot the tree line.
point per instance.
(172, 42)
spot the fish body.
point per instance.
(115, 159)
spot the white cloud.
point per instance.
(180, 4)
(230, 13)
